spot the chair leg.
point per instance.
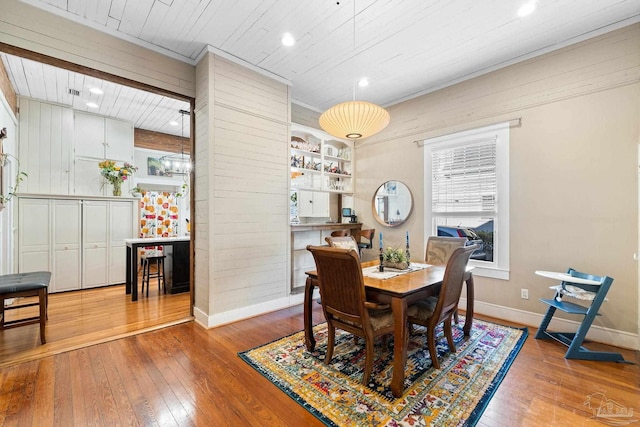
(368, 361)
(449, 334)
(331, 332)
(431, 340)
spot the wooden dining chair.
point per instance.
(439, 249)
(340, 233)
(344, 242)
(365, 234)
(432, 311)
(344, 302)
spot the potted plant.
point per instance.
(116, 175)
(395, 258)
(20, 176)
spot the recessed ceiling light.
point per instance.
(526, 9)
(96, 91)
(363, 82)
(288, 40)
(92, 105)
(173, 123)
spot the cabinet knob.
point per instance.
(66, 248)
(95, 246)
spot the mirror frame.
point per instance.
(375, 212)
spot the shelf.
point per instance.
(336, 159)
(305, 153)
(331, 154)
(337, 175)
(303, 170)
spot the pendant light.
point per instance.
(354, 119)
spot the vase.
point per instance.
(117, 188)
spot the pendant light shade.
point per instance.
(354, 119)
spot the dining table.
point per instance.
(399, 292)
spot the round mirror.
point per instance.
(392, 204)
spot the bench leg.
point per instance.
(42, 296)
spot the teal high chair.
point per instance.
(583, 287)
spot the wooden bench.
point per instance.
(21, 285)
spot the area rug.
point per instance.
(454, 395)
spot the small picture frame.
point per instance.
(156, 168)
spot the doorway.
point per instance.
(158, 109)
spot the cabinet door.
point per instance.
(119, 140)
(87, 179)
(89, 135)
(45, 137)
(67, 245)
(313, 204)
(121, 226)
(34, 235)
(305, 203)
(321, 205)
(95, 242)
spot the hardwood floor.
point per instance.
(186, 375)
(81, 318)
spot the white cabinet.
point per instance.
(320, 162)
(313, 204)
(45, 147)
(67, 245)
(99, 138)
(50, 240)
(95, 228)
(80, 241)
(102, 137)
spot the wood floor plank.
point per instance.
(79, 318)
(63, 397)
(186, 375)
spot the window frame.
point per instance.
(500, 267)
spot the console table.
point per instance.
(178, 273)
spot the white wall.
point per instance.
(573, 161)
(242, 177)
(9, 145)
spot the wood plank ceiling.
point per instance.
(404, 47)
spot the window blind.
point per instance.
(464, 177)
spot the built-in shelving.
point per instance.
(320, 162)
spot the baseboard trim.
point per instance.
(596, 333)
(242, 313)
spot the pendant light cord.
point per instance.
(354, 50)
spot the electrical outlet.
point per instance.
(524, 293)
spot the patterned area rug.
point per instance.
(455, 395)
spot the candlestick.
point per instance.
(381, 266)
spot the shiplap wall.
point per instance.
(242, 241)
(573, 166)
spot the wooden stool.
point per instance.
(34, 284)
(147, 275)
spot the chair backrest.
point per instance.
(367, 234)
(452, 282)
(439, 249)
(344, 242)
(340, 233)
(341, 284)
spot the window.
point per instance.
(467, 193)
